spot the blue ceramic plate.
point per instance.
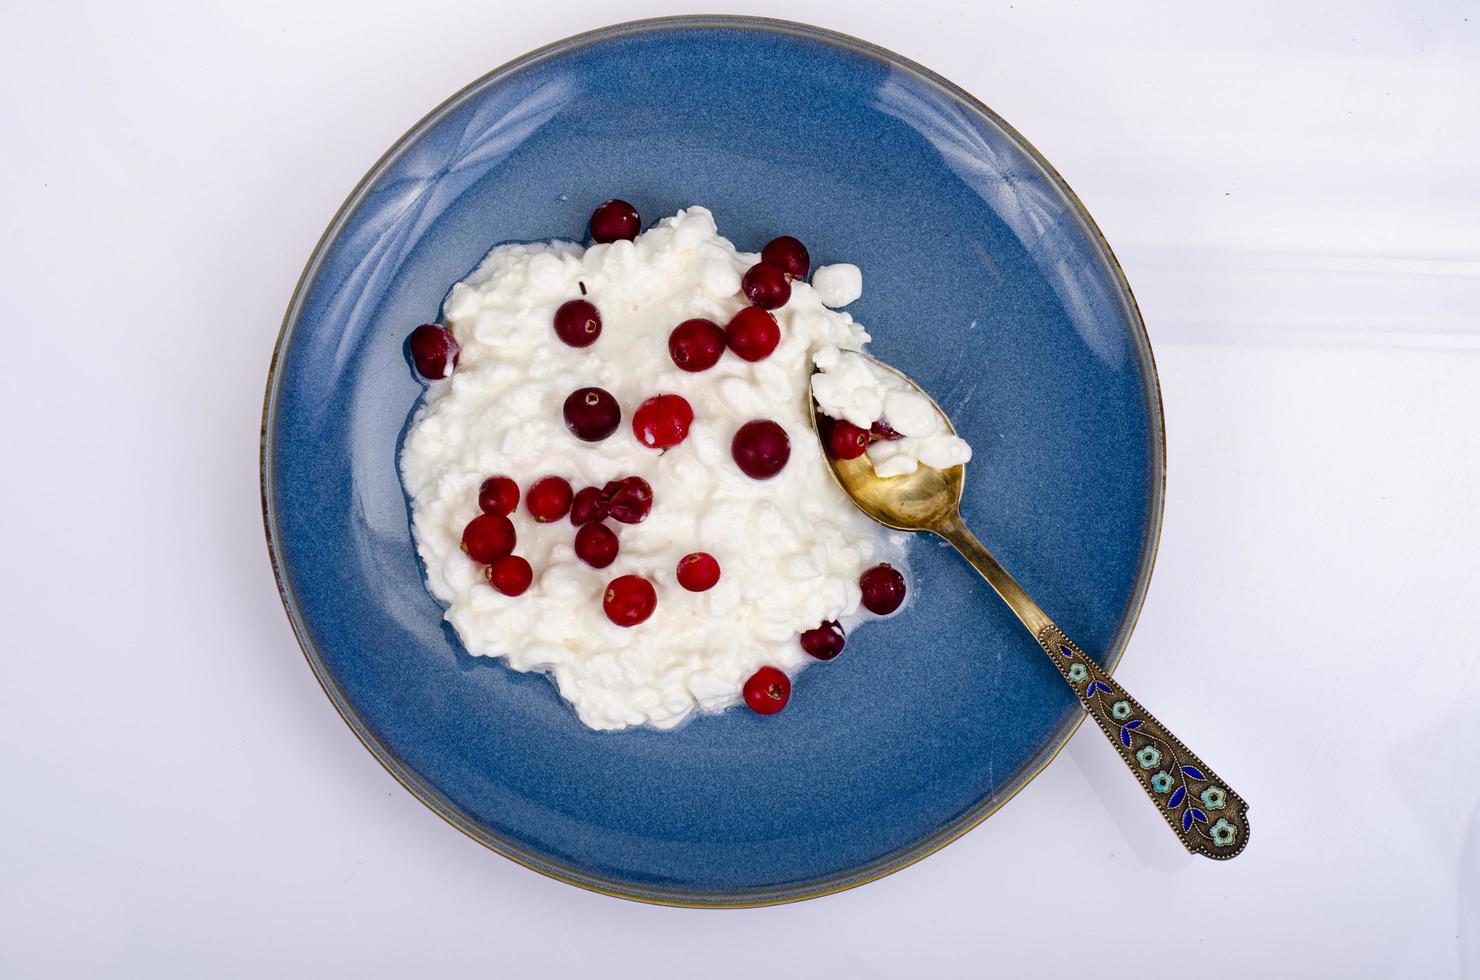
(984, 279)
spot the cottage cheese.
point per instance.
(838, 285)
(791, 548)
(850, 386)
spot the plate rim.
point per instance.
(782, 894)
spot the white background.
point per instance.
(1294, 190)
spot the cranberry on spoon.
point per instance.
(846, 440)
(881, 430)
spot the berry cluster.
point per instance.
(490, 538)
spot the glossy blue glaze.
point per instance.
(983, 280)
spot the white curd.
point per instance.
(791, 548)
(849, 386)
(838, 285)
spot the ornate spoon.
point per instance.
(1207, 816)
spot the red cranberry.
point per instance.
(761, 449)
(434, 351)
(592, 414)
(825, 641)
(488, 537)
(627, 500)
(788, 255)
(510, 574)
(882, 430)
(614, 220)
(498, 495)
(846, 440)
(753, 334)
(695, 345)
(767, 691)
(548, 499)
(629, 600)
(698, 572)
(883, 589)
(596, 545)
(578, 323)
(662, 421)
(766, 286)
(585, 507)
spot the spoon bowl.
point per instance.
(925, 500)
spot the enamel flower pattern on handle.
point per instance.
(1210, 818)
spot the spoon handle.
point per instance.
(1206, 815)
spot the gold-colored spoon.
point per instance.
(1207, 816)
